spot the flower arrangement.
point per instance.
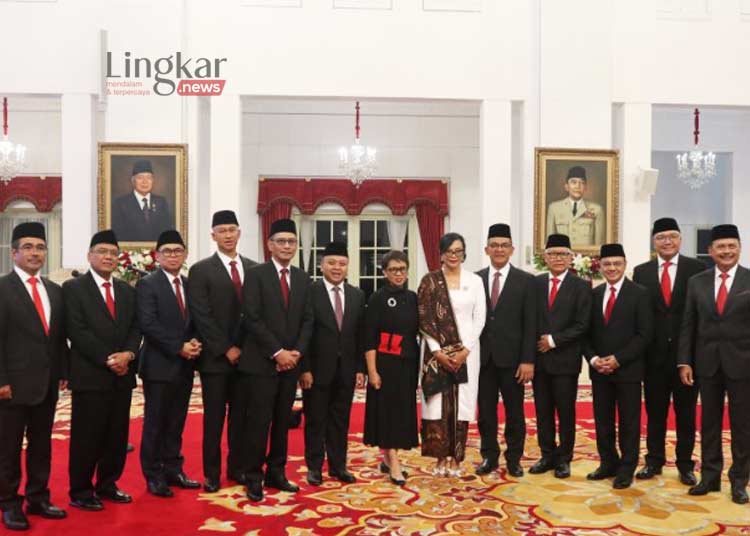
(584, 266)
(134, 263)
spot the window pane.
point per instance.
(322, 232)
(366, 263)
(340, 230)
(366, 234)
(383, 240)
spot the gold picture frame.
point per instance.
(117, 206)
(590, 219)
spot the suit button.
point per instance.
(669, 339)
(492, 318)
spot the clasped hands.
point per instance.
(119, 362)
(191, 349)
(451, 361)
(287, 359)
(606, 365)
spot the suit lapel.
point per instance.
(483, 274)
(166, 287)
(739, 284)
(96, 295)
(680, 283)
(28, 304)
(599, 300)
(654, 281)
(295, 276)
(562, 291)
(350, 308)
(329, 315)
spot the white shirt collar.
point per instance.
(279, 267)
(99, 280)
(170, 277)
(560, 277)
(140, 198)
(579, 201)
(329, 285)
(731, 272)
(503, 271)
(617, 286)
(226, 259)
(674, 260)
(24, 275)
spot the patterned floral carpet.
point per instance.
(430, 506)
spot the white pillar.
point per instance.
(495, 165)
(633, 139)
(225, 161)
(79, 177)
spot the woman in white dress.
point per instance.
(452, 312)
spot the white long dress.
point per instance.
(470, 311)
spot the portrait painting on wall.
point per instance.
(576, 194)
(142, 191)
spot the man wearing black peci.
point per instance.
(166, 366)
(100, 313)
(620, 330)
(33, 364)
(215, 299)
(507, 351)
(666, 278)
(715, 352)
(279, 321)
(335, 359)
(563, 312)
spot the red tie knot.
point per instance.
(33, 280)
(232, 263)
(555, 281)
(106, 284)
(336, 289)
(667, 264)
(285, 271)
(612, 289)
(177, 281)
(723, 277)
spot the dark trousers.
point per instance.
(555, 394)
(491, 380)
(270, 401)
(712, 392)
(327, 409)
(99, 426)
(36, 422)
(626, 399)
(219, 404)
(165, 411)
(661, 385)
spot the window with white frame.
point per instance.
(21, 212)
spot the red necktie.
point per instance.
(666, 284)
(495, 290)
(339, 307)
(38, 303)
(284, 287)
(180, 301)
(236, 279)
(553, 292)
(109, 299)
(721, 297)
(610, 305)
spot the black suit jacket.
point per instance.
(216, 311)
(31, 362)
(332, 350)
(129, 222)
(164, 330)
(94, 334)
(708, 340)
(271, 327)
(567, 322)
(509, 333)
(627, 334)
(667, 320)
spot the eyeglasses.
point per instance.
(285, 241)
(557, 254)
(671, 237)
(395, 270)
(28, 248)
(454, 253)
(167, 252)
(613, 264)
(505, 245)
(106, 252)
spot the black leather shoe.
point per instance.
(159, 488)
(622, 481)
(648, 472)
(562, 470)
(688, 478)
(397, 481)
(115, 495)
(211, 485)
(600, 473)
(739, 495)
(703, 487)
(314, 477)
(343, 476)
(541, 466)
(515, 469)
(387, 470)
(14, 519)
(486, 467)
(237, 477)
(182, 481)
(90, 504)
(281, 484)
(45, 509)
(255, 490)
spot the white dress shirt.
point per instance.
(560, 279)
(672, 270)
(40, 288)
(279, 267)
(332, 296)
(717, 280)
(99, 280)
(140, 199)
(170, 278)
(607, 292)
(226, 259)
(491, 277)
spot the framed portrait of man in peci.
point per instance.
(576, 194)
(142, 191)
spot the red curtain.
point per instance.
(277, 211)
(431, 227)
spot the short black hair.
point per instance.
(394, 255)
(447, 239)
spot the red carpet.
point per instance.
(534, 505)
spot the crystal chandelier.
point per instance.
(695, 168)
(12, 155)
(358, 161)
